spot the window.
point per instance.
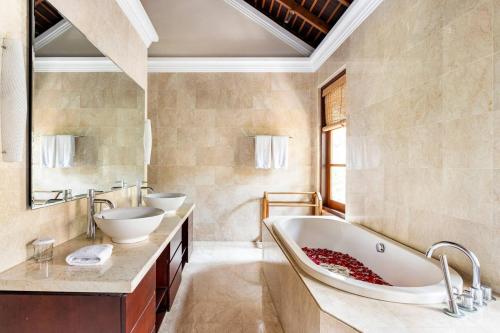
(334, 143)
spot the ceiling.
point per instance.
(209, 28)
(215, 28)
(70, 43)
(309, 20)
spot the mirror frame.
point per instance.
(30, 54)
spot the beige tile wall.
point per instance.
(18, 224)
(200, 147)
(424, 125)
(107, 110)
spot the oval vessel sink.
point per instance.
(169, 202)
(129, 225)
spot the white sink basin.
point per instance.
(169, 202)
(129, 225)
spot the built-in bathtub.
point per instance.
(413, 278)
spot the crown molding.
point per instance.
(139, 19)
(48, 36)
(75, 64)
(357, 12)
(173, 65)
(265, 22)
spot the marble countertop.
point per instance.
(120, 274)
(371, 315)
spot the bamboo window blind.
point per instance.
(335, 104)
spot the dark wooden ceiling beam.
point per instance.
(327, 2)
(344, 2)
(333, 13)
(306, 15)
(295, 18)
(313, 5)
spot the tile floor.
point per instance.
(223, 290)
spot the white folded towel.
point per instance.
(263, 151)
(49, 151)
(90, 255)
(65, 151)
(280, 152)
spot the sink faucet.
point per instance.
(476, 290)
(91, 201)
(139, 189)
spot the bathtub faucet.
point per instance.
(478, 293)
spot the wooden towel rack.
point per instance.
(316, 202)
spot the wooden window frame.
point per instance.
(330, 205)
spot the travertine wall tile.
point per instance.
(200, 146)
(424, 77)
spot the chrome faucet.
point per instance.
(478, 294)
(139, 189)
(91, 201)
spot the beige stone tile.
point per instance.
(475, 97)
(496, 78)
(426, 146)
(424, 18)
(469, 36)
(396, 148)
(453, 9)
(468, 195)
(468, 143)
(426, 102)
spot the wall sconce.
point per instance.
(148, 141)
(13, 100)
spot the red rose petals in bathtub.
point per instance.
(343, 264)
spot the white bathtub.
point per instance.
(414, 278)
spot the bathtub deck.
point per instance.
(370, 315)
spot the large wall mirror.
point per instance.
(87, 116)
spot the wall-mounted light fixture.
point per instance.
(13, 100)
(148, 141)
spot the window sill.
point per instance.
(331, 211)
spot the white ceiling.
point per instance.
(209, 28)
(71, 43)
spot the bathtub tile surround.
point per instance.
(223, 290)
(423, 112)
(200, 148)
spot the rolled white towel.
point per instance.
(90, 255)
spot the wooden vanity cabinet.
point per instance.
(141, 311)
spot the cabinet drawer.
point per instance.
(136, 302)
(174, 287)
(175, 242)
(174, 265)
(146, 322)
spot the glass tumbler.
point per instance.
(43, 249)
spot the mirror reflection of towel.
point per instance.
(58, 151)
(49, 151)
